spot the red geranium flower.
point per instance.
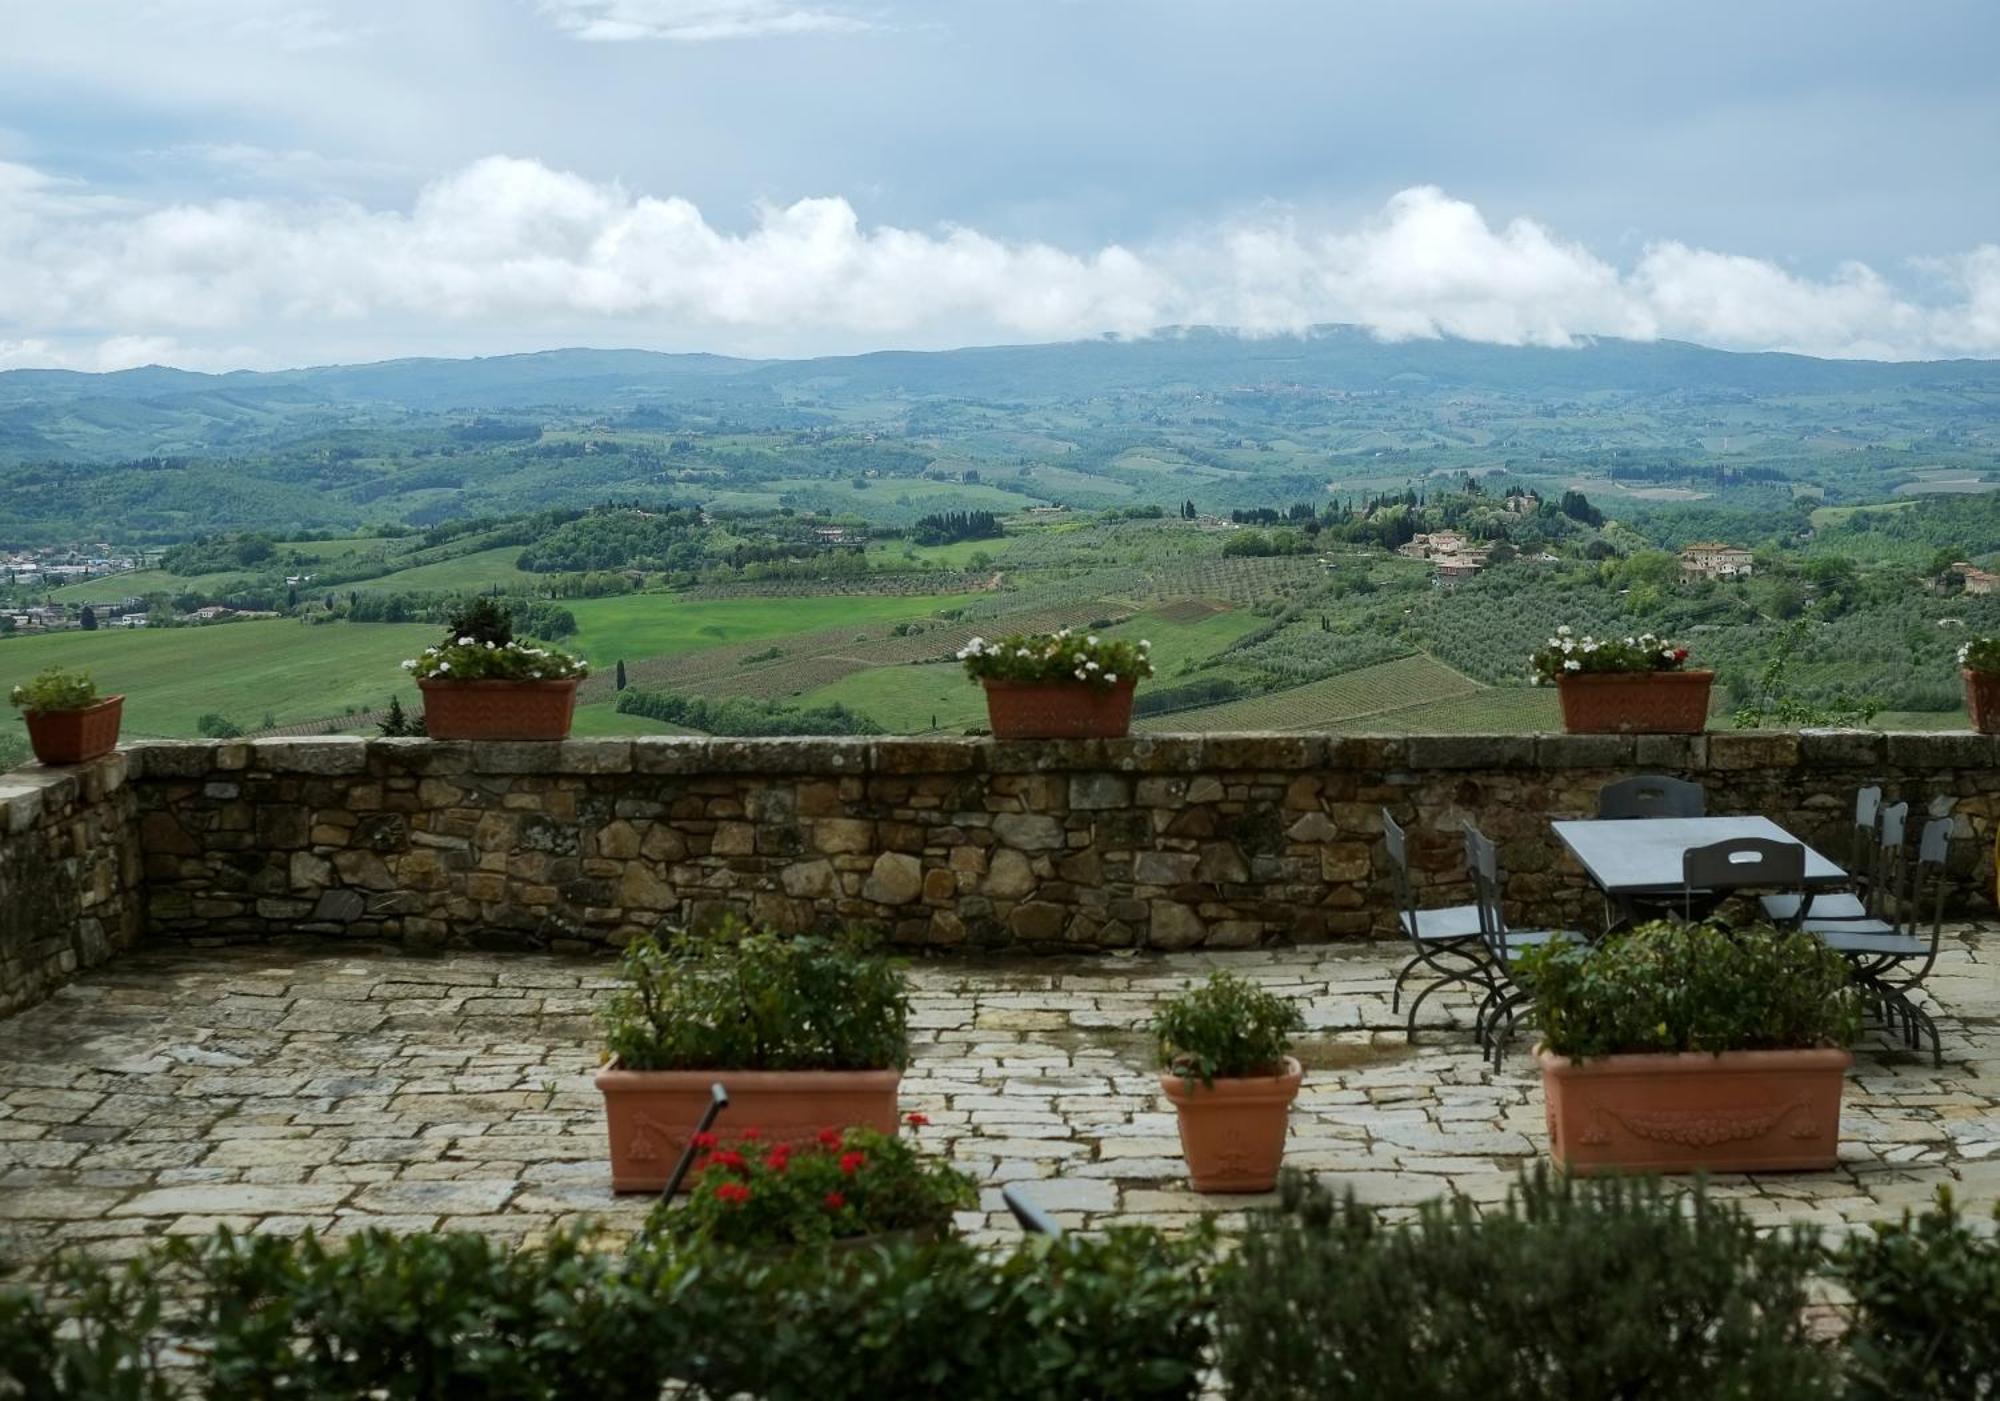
(729, 1158)
(778, 1159)
(1680, 654)
(916, 1121)
(850, 1163)
(834, 1201)
(829, 1138)
(752, 1135)
(734, 1193)
(703, 1140)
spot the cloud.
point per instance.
(691, 21)
(509, 252)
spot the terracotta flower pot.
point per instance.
(1058, 709)
(1636, 702)
(72, 736)
(1982, 698)
(1233, 1132)
(1741, 1111)
(652, 1112)
(498, 709)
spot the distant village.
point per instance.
(29, 571)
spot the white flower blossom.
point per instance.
(444, 666)
(1082, 675)
(1563, 631)
(410, 664)
(1572, 666)
(465, 641)
(1111, 678)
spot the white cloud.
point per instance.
(691, 21)
(508, 252)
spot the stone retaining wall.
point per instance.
(69, 875)
(1165, 842)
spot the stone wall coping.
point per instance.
(29, 789)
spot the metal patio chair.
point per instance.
(1651, 795)
(1864, 855)
(1444, 940)
(1739, 864)
(1508, 1001)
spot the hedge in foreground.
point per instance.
(1587, 1290)
(1926, 1317)
(432, 1317)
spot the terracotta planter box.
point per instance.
(498, 709)
(1741, 1111)
(1233, 1132)
(1058, 710)
(652, 1112)
(73, 736)
(1982, 698)
(1636, 703)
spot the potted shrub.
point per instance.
(1979, 664)
(1225, 1065)
(1637, 685)
(843, 1187)
(67, 720)
(1693, 1047)
(480, 683)
(804, 1033)
(1057, 685)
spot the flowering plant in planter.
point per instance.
(479, 683)
(1568, 655)
(481, 647)
(68, 722)
(843, 1184)
(1225, 1064)
(1982, 655)
(1979, 664)
(1694, 1047)
(1058, 685)
(1633, 685)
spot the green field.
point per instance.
(637, 626)
(604, 719)
(1348, 702)
(243, 671)
(906, 699)
(137, 583)
(472, 573)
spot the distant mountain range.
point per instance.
(65, 414)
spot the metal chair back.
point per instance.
(1651, 795)
(1399, 869)
(1929, 883)
(1887, 871)
(1741, 863)
(1482, 863)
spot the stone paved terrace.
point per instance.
(285, 1085)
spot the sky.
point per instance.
(221, 184)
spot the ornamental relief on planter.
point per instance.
(1697, 1128)
(653, 1140)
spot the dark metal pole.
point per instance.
(718, 1100)
(1033, 1219)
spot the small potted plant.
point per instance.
(67, 721)
(1225, 1063)
(479, 683)
(1979, 664)
(1679, 1047)
(1059, 685)
(842, 1187)
(804, 1032)
(1634, 685)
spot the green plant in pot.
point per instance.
(1629, 685)
(806, 1032)
(1226, 1065)
(1979, 665)
(1058, 685)
(1694, 1047)
(68, 722)
(481, 683)
(842, 1187)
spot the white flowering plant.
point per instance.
(1981, 654)
(468, 659)
(1057, 657)
(481, 647)
(1569, 655)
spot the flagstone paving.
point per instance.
(280, 1087)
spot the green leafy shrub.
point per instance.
(847, 1184)
(1059, 656)
(1226, 1027)
(481, 647)
(456, 1317)
(1667, 986)
(55, 689)
(1926, 1315)
(1584, 1289)
(737, 999)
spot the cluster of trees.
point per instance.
(670, 539)
(948, 527)
(742, 715)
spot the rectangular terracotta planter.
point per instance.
(74, 736)
(1635, 702)
(650, 1113)
(498, 709)
(1059, 709)
(1741, 1111)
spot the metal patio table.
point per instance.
(1636, 860)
